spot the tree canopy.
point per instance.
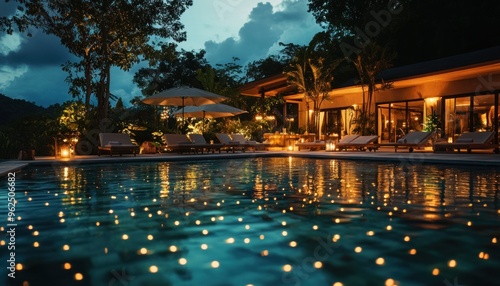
(103, 34)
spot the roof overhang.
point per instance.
(269, 86)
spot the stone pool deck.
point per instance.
(482, 158)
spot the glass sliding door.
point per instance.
(396, 119)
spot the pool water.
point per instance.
(256, 221)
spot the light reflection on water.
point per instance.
(259, 221)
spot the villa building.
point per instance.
(462, 91)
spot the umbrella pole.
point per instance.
(183, 112)
(203, 123)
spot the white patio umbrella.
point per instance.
(183, 96)
(210, 111)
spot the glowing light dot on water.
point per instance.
(153, 268)
(36, 244)
(494, 240)
(337, 284)
(125, 236)
(293, 244)
(97, 223)
(262, 237)
(62, 220)
(19, 266)
(78, 276)
(318, 264)
(358, 249)
(177, 223)
(173, 248)
(380, 261)
(65, 247)
(197, 222)
(264, 253)
(435, 272)
(413, 251)
(336, 237)
(284, 233)
(407, 238)
(215, 264)
(110, 211)
(204, 232)
(240, 219)
(287, 267)
(452, 263)
(67, 266)
(204, 246)
(390, 282)
(30, 227)
(117, 221)
(247, 227)
(2, 242)
(388, 228)
(150, 237)
(143, 251)
(46, 204)
(183, 261)
(337, 220)
(221, 218)
(246, 240)
(230, 240)
(159, 212)
(132, 214)
(315, 227)
(212, 218)
(36, 233)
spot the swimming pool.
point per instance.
(256, 221)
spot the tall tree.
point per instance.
(313, 76)
(103, 34)
(178, 69)
(369, 64)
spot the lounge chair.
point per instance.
(200, 143)
(411, 141)
(315, 145)
(361, 143)
(249, 144)
(179, 143)
(116, 143)
(230, 144)
(318, 144)
(469, 141)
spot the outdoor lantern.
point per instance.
(258, 117)
(330, 146)
(450, 139)
(65, 151)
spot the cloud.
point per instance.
(40, 50)
(10, 43)
(260, 35)
(44, 85)
(9, 74)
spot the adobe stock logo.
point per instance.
(372, 29)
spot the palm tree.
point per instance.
(369, 63)
(312, 77)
